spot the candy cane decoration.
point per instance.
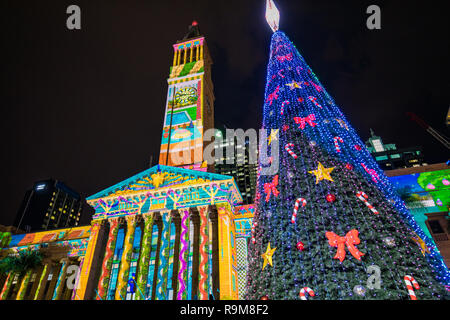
(313, 100)
(297, 204)
(288, 149)
(363, 197)
(282, 106)
(279, 73)
(408, 280)
(253, 232)
(306, 290)
(336, 144)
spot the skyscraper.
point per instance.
(236, 164)
(389, 157)
(50, 204)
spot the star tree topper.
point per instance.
(322, 173)
(272, 15)
(267, 256)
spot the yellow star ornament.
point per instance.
(322, 173)
(267, 256)
(273, 135)
(294, 85)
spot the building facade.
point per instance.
(50, 204)
(63, 253)
(426, 192)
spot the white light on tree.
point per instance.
(272, 15)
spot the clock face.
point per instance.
(186, 96)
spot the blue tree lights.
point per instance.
(330, 214)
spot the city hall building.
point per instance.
(174, 231)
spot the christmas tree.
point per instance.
(329, 225)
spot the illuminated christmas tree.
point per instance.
(329, 225)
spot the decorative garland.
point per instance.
(145, 254)
(162, 274)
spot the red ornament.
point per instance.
(285, 127)
(264, 298)
(300, 246)
(358, 147)
(331, 197)
(349, 166)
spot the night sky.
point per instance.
(86, 106)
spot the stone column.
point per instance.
(176, 252)
(203, 286)
(184, 255)
(122, 284)
(61, 279)
(103, 282)
(195, 218)
(39, 295)
(7, 286)
(161, 285)
(142, 271)
(174, 57)
(39, 272)
(213, 216)
(24, 285)
(51, 288)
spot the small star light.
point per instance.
(273, 135)
(359, 290)
(322, 173)
(389, 241)
(272, 15)
(267, 256)
(294, 84)
(421, 244)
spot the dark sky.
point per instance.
(86, 106)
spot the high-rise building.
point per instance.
(236, 164)
(190, 104)
(50, 204)
(389, 157)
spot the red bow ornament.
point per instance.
(273, 95)
(270, 188)
(286, 57)
(350, 239)
(307, 120)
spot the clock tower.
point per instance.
(189, 104)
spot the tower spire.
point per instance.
(272, 15)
